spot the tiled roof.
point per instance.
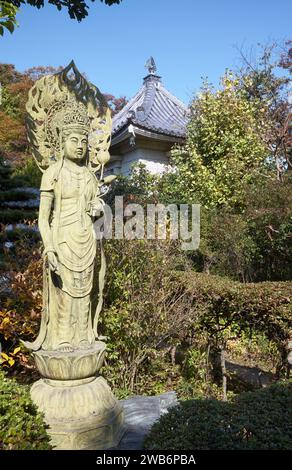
(153, 108)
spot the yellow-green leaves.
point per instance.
(224, 145)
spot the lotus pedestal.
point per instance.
(79, 407)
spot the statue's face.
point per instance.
(75, 146)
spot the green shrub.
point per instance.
(254, 244)
(21, 425)
(13, 195)
(30, 173)
(10, 216)
(19, 234)
(254, 420)
(5, 171)
(15, 181)
(264, 306)
(138, 324)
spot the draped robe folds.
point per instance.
(68, 302)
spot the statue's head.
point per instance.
(75, 144)
(74, 134)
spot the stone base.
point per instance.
(81, 414)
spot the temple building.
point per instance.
(146, 129)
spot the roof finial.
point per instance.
(151, 66)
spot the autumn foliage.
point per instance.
(20, 309)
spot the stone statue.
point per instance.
(69, 129)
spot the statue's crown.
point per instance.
(66, 102)
(76, 116)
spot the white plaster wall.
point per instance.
(154, 160)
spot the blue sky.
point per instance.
(189, 39)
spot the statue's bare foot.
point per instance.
(65, 347)
(84, 344)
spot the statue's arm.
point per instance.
(46, 202)
(96, 203)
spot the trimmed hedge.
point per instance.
(254, 420)
(21, 425)
(218, 302)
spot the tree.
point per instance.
(286, 64)
(115, 104)
(286, 56)
(8, 74)
(261, 83)
(8, 12)
(16, 86)
(12, 133)
(224, 148)
(35, 73)
(77, 9)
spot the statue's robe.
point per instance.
(68, 304)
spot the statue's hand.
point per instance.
(53, 262)
(96, 207)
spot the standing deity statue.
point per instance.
(69, 130)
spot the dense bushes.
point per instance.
(249, 243)
(138, 321)
(254, 244)
(254, 420)
(21, 425)
(164, 321)
(14, 195)
(21, 235)
(21, 305)
(165, 324)
(29, 173)
(10, 216)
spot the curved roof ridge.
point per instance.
(174, 98)
(144, 110)
(154, 108)
(122, 117)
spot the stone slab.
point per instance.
(140, 413)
